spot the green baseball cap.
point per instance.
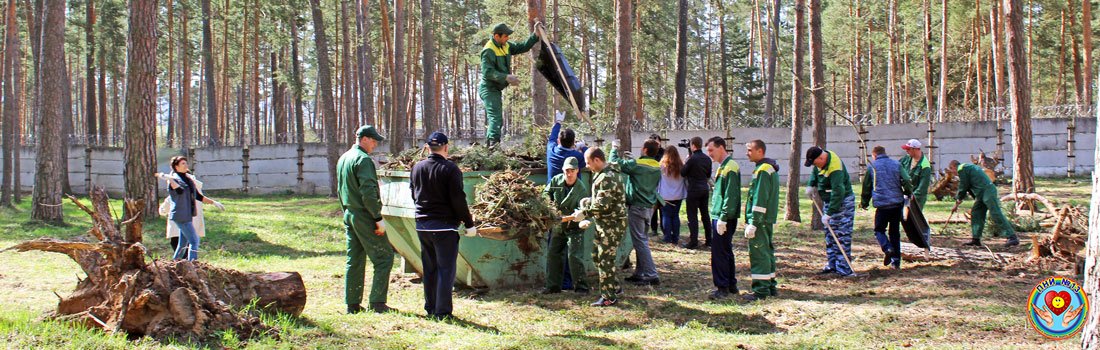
(369, 131)
(502, 28)
(570, 163)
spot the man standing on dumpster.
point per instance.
(357, 185)
(496, 75)
(436, 185)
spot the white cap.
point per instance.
(913, 143)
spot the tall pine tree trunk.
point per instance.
(1090, 335)
(324, 77)
(213, 132)
(431, 93)
(366, 64)
(90, 100)
(140, 149)
(624, 71)
(185, 84)
(773, 51)
(795, 164)
(49, 169)
(817, 85)
(1086, 30)
(536, 12)
(11, 105)
(296, 84)
(681, 64)
(1023, 173)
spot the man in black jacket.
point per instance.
(436, 185)
(696, 173)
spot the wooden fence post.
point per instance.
(1071, 147)
(244, 169)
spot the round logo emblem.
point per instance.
(1057, 308)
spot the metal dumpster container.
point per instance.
(482, 262)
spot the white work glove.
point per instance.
(471, 232)
(584, 224)
(585, 202)
(559, 116)
(580, 145)
(825, 220)
(750, 231)
(163, 176)
(615, 144)
(578, 215)
(810, 191)
(721, 227)
(512, 79)
(218, 205)
(381, 227)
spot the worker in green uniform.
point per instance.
(607, 210)
(918, 168)
(357, 185)
(974, 181)
(760, 213)
(566, 191)
(496, 75)
(725, 209)
(830, 182)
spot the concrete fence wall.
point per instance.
(274, 168)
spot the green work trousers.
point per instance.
(363, 243)
(494, 113)
(566, 242)
(762, 261)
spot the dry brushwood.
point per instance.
(507, 199)
(946, 187)
(472, 158)
(161, 299)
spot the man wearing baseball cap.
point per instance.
(496, 75)
(919, 169)
(357, 185)
(436, 185)
(566, 190)
(830, 181)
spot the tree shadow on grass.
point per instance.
(579, 340)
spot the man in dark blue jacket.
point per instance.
(436, 185)
(886, 186)
(696, 173)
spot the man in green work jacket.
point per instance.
(566, 191)
(725, 209)
(974, 181)
(918, 168)
(357, 185)
(829, 180)
(642, 177)
(760, 214)
(496, 75)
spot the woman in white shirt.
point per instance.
(672, 191)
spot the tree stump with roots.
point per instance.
(161, 299)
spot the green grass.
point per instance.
(926, 305)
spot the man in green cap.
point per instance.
(357, 184)
(496, 75)
(566, 191)
(973, 180)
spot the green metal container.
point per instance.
(482, 262)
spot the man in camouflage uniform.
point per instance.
(829, 179)
(357, 185)
(761, 209)
(607, 208)
(974, 181)
(566, 190)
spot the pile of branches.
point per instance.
(1063, 248)
(946, 187)
(161, 299)
(508, 200)
(476, 157)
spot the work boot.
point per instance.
(691, 245)
(826, 271)
(1012, 242)
(633, 278)
(773, 291)
(355, 308)
(581, 290)
(719, 294)
(886, 259)
(975, 243)
(604, 302)
(379, 308)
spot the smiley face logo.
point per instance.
(1057, 301)
(1057, 308)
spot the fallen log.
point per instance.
(161, 299)
(910, 252)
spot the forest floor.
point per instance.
(937, 305)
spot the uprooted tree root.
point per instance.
(161, 299)
(1063, 248)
